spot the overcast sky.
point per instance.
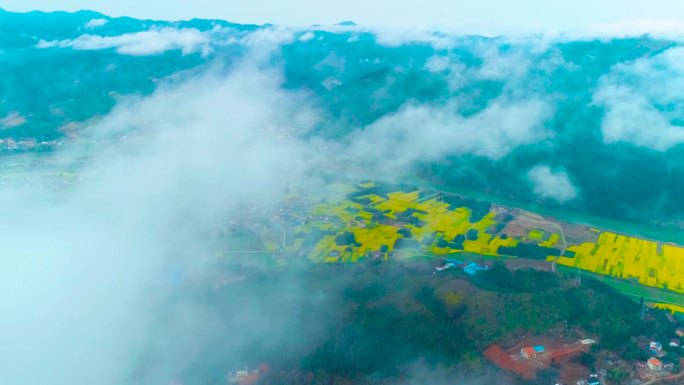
(474, 15)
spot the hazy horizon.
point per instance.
(482, 17)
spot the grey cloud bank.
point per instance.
(79, 274)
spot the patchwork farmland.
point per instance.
(648, 262)
(401, 224)
(377, 222)
(360, 222)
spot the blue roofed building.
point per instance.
(473, 268)
(655, 347)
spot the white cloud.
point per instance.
(394, 37)
(307, 36)
(263, 42)
(438, 63)
(497, 64)
(336, 28)
(95, 23)
(12, 119)
(152, 42)
(643, 101)
(553, 185)
(427, 133)
(457, 74)
(504, 60)
(631, 117)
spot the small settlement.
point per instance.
(526, 359)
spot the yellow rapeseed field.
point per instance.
(669, 307)
(437, 226)
(649, 263)
(437, 221)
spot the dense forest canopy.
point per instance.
(388, 323)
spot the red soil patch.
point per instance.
(503, 360)
(527, 368)
(253, 377)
